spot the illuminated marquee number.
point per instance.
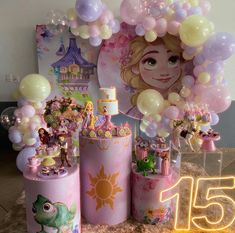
(210, 196)
(173, 191)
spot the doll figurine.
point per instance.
(88, 116)
(44, 136)
(63, 150)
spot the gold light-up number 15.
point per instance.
(207, 195)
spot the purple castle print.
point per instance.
(72, 70)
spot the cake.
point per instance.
(107, 103)
(105, 164)
(151, 174)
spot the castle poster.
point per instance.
(69, 63)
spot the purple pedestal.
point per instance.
(105, 179)
(52, 205)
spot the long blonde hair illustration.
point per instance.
(144, 64)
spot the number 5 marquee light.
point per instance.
(207, 194)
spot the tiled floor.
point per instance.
(11, 182)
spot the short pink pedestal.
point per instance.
(208, 144)
(146, 205)
(105, 179)
(52, 205)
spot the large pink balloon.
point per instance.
(130, 11)
(216, 97)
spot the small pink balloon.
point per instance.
(94, 31)
(206, 7)
(173, 27)
(104, 19)
(108, 14)
(172, 112)
(149, 23)
(217, 97)
(186, 6)
(130, 11)
(161, 26)
(188, 81)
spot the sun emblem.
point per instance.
(103, 188)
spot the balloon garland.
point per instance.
(152, 19)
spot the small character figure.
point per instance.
(88, 116)
(63, 150)
(165, 167)
(55, 215)
(44, 136)
(142, 148)
(146, 164)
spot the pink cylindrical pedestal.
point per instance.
(52, 205)
(146, 205)
(105, 179)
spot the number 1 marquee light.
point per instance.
(211, 195)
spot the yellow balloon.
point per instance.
(156, 117)
(83, 31)
(150, 101)
(174, 97)
(37, 105)
(194, 2)
(105, 32)
(35, 87)
(195, 30)
(71, 14)
(150, 36)
(75, 31)
(185, 92)
(162, 133)
(204, 78)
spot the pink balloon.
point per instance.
(131, 10)
(94, 31)
(171, 112)
(216, 97)
(173, 27)
(149, 23)
(161, 26)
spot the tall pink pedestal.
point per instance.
(146, 205)
(105, 179)
(53, 205)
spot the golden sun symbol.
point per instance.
(103, 188)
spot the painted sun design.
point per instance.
(103, 188)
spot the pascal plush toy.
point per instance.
(146, 164)
(53, 215)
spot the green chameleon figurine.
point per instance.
(51, 214)
(146, 164)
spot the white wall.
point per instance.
(17, 45)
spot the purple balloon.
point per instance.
(23, 156)
(215, 68)
(151, 131)
(21, 102)
(28, 111)
(199, 60)
(139, 29)
(214, 118)
(95, 41)
(15, 136)
(89, 10)
(115, 26)
(188, 81)
(219, 47)
(195, 11)
(180, 14)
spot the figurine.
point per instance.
(44, 136)
(165, 166)
(183, 129)
(142, 148)
(63, 150)
(88, 116)
(147, 164)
